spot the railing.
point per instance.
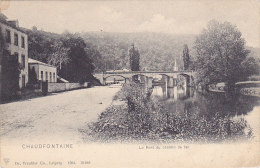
(139, 72)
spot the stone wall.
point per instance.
(58, 87)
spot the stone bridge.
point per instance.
(147, 76)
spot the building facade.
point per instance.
(16, 43)
(44, 72)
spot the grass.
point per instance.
(145, 118)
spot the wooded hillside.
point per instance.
(109, 51)
(157, 50)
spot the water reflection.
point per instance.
(179, 114)
(173, 93)
(185, 100)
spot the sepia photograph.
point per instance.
(133, 84)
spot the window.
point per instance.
(46, 75)
(23, 81)
(8, 36)
(16, 39)
(23, 45)
(23, 61)
(16, 56)
(41, 75)
(50, 77)
(54, 77)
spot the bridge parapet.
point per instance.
(129, 74)
(146, 72)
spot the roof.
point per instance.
(33, 61)
(3, 20)
(62, 79)
(2, 16)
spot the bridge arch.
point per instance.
(147, 76)
(188, 78)
(185, 75)
(114, 75)
(105, 78)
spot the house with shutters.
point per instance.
(15, 45)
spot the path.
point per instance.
(55, 117)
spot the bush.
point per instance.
(146, 118)
(10, 76)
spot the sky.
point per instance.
(174, 17)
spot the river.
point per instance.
(180, 100)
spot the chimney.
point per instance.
(14, 23)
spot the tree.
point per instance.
(80, 67)
(32, 76)
(2, 43)
(250, 67)
(34, 28)
(220, 52)
(96, 57)
(67, 51)
(59, 55)
(186, 57)
(40, 45)
(134, 59)
(10, 75)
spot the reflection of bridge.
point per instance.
(168, 77)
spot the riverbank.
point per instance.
(140, 117)
(248, 88)
(252, 91)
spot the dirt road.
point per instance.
(57, 117)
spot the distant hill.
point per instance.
(157, 50)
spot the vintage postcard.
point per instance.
(132, 84)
